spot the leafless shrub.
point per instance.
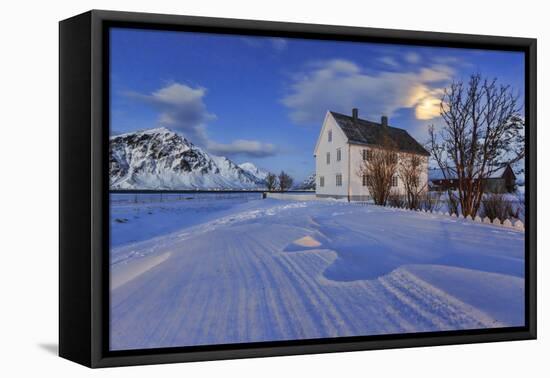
(379, 167)
(430, 201)
(452, 203)
(519, 206)
(497, 205)
(396, 200)
(410, 169)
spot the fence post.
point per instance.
(519, 225)
(486, 220)
(496, 222)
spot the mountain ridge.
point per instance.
(161, 159)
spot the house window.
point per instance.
(322, 181)
(339, 179)
(330, 135)
(328, 157)
(367, 155)
(394, 181)
(365, 180)
(338, 154)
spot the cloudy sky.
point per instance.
(263, 99)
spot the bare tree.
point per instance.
(482, 131)
(285, 181)
(410, 168)
(271, 182)
(377, 168)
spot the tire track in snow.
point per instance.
(431, 306)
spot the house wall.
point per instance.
(360, 192)
(357, 190)
(329, 171)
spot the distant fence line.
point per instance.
(156, 196)
(151, 197)
(198, 191)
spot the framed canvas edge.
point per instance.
(75, 273)
(99, 197)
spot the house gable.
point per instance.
(327, 123)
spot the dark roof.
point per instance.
(366, 132)
(437, 173)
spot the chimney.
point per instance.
(355, 114)
(384, 121)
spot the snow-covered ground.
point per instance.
(265, 270)
(138, 217)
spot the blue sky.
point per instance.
(262, 99)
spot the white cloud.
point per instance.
(389, 61)
(245, 147)
(412, 57)
(341, 85)
(276, 43)
(449, 60)
(182, 108)
(251, 41)
(279, 44)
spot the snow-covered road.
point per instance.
(271, 270)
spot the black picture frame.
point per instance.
(83, 195)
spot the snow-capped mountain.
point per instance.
(308, 183)
(253, 170)
(162, 159)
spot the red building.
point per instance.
(501, 180)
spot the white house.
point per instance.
(342, 144)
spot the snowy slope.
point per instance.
(162, 159)
(261, 174)
(276, 270)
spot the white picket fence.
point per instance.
(515, 224)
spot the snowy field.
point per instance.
(234, 270)
(138, 217)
